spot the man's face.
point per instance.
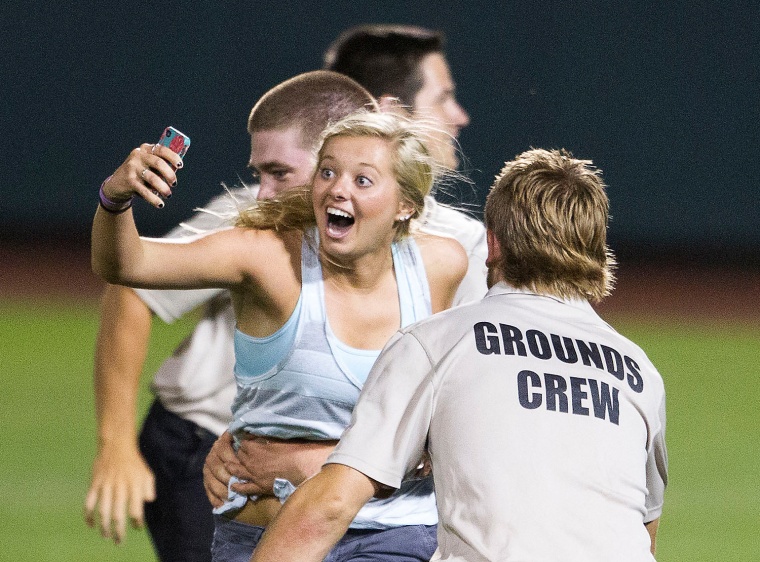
(279, 161)
(436, 102)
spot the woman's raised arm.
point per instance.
(120, 255)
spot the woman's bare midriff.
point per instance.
(259, 512)
(297, 458)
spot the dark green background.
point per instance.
(662, 96)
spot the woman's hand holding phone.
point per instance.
(149, 171)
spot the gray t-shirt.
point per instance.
(545, 428)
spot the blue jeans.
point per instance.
(180, 521)
(235, 542)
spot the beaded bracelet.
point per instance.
(114, 207)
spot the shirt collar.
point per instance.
(502, 288)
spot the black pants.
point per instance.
(180, 521)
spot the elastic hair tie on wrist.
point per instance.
(114, 207)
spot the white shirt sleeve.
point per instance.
(657, 470)
(388, 431)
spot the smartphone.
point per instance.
(175, 140)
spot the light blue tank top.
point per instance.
(312, 380)
(311, 389)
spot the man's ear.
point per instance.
(390, 104)
(494, 248)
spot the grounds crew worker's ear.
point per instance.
(494, 248)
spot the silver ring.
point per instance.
(142, 174)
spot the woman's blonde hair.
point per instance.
(549, 214)
(414, 169)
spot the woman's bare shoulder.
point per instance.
(442, 255)
(435, 244)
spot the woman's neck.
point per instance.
(363, 273)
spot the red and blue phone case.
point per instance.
(176, 141)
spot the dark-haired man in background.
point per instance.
(405, 65)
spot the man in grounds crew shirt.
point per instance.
(545, 427)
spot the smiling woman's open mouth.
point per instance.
(338, 222)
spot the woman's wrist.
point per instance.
(113, 206)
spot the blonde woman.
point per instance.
(321, 278)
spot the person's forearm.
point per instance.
(300, 533)
(315, 517)
(121, 481)
(120, 353)
(652, 527)
(116, 245)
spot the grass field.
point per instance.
(48, 432)
(712, 502)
